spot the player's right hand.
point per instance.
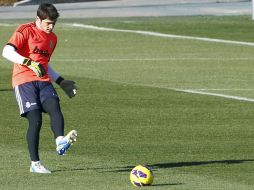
(36, 67)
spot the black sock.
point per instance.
(33, 133)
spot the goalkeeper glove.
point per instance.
(68, 86)
(35, 67)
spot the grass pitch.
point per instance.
(127, 113)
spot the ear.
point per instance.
(37, 19)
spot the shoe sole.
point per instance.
(72, 136)
(33, 171)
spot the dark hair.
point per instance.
(47, 11)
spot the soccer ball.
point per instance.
(141, 176)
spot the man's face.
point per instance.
(46, 25)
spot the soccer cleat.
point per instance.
(64, 144)
(39, 168)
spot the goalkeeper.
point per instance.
(30, 48)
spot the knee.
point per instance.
(52, 106)
(35, 118)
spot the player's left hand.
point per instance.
(69, 87)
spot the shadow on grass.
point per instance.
(166, 184)
(181, 164)
(103, 170)
(159, 166)
(5, 90)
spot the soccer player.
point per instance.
(30, 48)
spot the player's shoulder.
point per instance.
(26, 27)
(53, 34)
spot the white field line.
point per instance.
(160, 34)
(180, 37)
(223, 89)
(191, 91)
(194, 91)
(7, 25)
(216, 94)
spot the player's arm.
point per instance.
(68, 86)
(10, 53)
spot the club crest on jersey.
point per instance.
(45, 53)
(51, 44)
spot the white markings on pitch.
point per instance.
(216, 94)
(157, 34)
(7, 25)
(223, 89)
(160, 34)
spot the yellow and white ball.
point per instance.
(141, 176)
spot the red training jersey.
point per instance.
(35, 44)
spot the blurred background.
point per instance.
(33, 2)
(13, 9)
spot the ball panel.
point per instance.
(141, 176)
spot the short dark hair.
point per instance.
(47, 11)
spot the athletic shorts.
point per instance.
(31, 95)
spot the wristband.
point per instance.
(59, 80)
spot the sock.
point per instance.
(35, 162)
(59, 139)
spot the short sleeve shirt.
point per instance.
(35, 44)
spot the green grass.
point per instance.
(126, 112)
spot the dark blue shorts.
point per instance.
(31, 95)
